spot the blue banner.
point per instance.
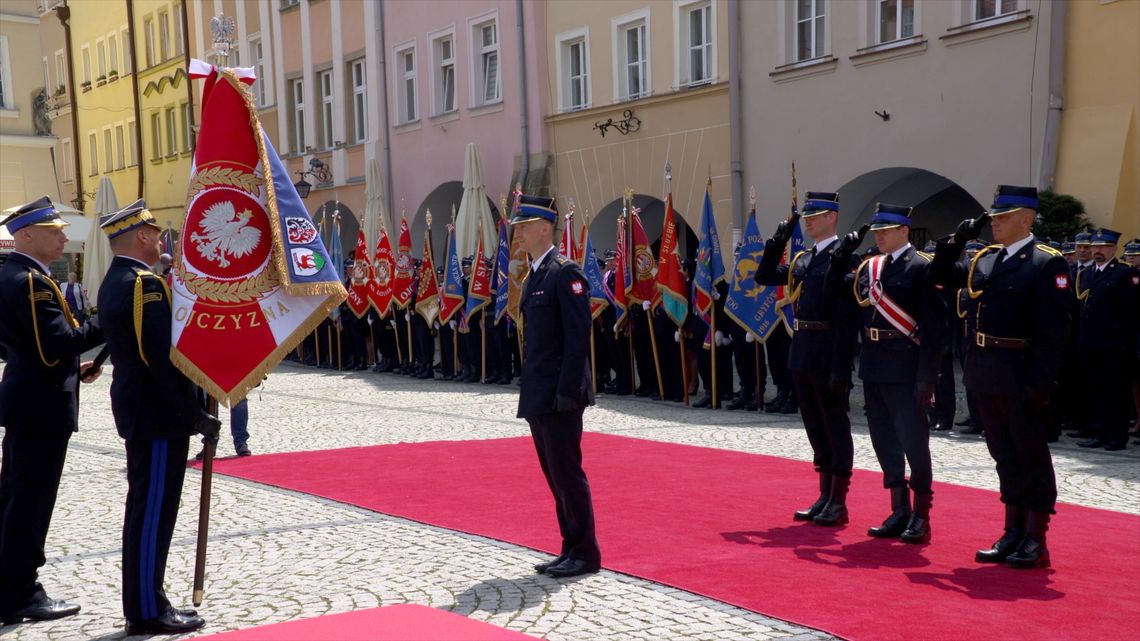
(501, 277)
(751, 305)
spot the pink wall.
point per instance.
(431, 152)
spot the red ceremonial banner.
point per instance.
(361, 275)
(405, 268)
(380, 287)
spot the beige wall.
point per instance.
(686, 126)
(1099, 161)
(965, 102)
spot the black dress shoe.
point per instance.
(42, 609)
(1091, 442)
(242, 450)
(542, 567)
(170, 622)
(705, 401)
(940, 426)
(971, 431)
(1116, 446)
(964, 422)
(573, 567)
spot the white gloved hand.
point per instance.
(392, 322)
(645, 305)
(677, 336)
(436, 325)
(408, 316)
(727, 340)
(452, 324)
(718, 338)
(749, 338)
(715, 294)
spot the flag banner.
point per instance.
(566, 246)
(785, 299)
(582, 237)
(479, 289)
(643, 267)
(502, 281)
(427, 297)
(405, 268)
(452, 298)
(380, 287)
(749, 304)
(598, 298)
(360, 276)
(251, 276)
(621, 277)
(710, 264)
(674, 297)
(518, 271)
(336, 255)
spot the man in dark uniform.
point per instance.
(555, 383)
(39, 405)
(963, 333)
(904, 336)
(1020, 318)
(821, 352)
(940, 415)
(1108, 319)
(156, 409)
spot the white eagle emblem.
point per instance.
(226, 232)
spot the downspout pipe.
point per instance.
(385, 140)
(1058, 23)
(734, 120)
(186, 61)
(524, 166)
(63, 12)
(135, 96)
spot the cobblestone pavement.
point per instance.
(277, 555)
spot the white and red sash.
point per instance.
(895, 314)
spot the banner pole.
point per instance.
(593, 362)
(684, 365)
(712, 349)
(656, 358)
(408, 322)
(208, 446)
(483, 345)
(396, 334)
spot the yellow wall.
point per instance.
(105, 105)
(1099, 159)
(163, 91)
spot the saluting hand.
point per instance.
(970, 229)
(850, 243)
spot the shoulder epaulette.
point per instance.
(928, 256)
(1048, 250)
(560, 259)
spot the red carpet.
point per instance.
(390, 623)
(718, 523)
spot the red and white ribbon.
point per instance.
(895, 315)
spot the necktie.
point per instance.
(890, 259)
(1001, 255)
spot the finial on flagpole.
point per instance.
(452, 213)
(570, 205)
(752, 196)
(427, 219)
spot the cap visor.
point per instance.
(518, 220)
(816, 212)
(878, 226)
(55, 222)
(1002, 212)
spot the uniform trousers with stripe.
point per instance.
(899, 435)
(155, 471)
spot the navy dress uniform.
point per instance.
(156, 409)
(819, 358)
(903, 332)
(1108, 320)
(556, 387)
(39, 408)
(1020, 318)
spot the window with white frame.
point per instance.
(261, 90)
(896, 19)
(486, 40)
(108, 152)
(101, 58)
(297, 92)
(171, 132)
(574, 70)
(406, 87)
(810, 29)
(66, 160)
(325, 82)
(632, 49)
(60, 68)
(120, 146)
(132, 143)
(357, 74)
(163, 36)
(7, 95)
(155, 136)
(93, 153)
(179, 41)
(696, 43)
(128, 46)
(444, 50)
(148, 40)
(993, 8)
(187, 119)
(86, 56)
(113, 53)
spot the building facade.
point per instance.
(1099, 145)
(913, 102)
(660, 71)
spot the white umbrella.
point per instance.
(97, 250)
(375, 204)
(474, 209)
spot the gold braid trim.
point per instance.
(224, 176)
(138, 316)
(32, 297)
(235, 291)
(958, 305)
(974, 293)
(794, 291)
(1081, 296)
(62, 303)
(1049, 250)
(863, 302)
